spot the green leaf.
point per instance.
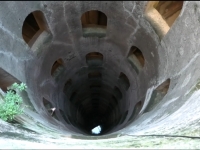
(12, 103)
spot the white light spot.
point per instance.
(96, 130)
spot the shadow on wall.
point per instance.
(6, 80)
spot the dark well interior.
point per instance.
(96, 69)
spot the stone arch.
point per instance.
(35, 26)
(136, 58)
(94, 59)
(124, 81)
(162, 15)
(94, 24)
(57, 68)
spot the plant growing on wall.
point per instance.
(12, 102)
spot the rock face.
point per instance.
(130, 67)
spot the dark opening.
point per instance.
(34, 24)
(136, 58)
(94, 59)
(115, 100)
(94, 106)
(95, 86)
(57, 68)
(117, 93)
(74, 94)
(47, 104)
(50, 108)
(94, 23)
(124, 81)
(169, 10)
(67, 85)
(94, 74)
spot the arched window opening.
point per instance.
(72, 97)
(47, 104)
(157, 95)
(50, 108)
(115, 100)
(57, 68)
(169, 10)
(94, 59)
(124, 81)
(136, 110)
(34, 25)
(94, 74)
(67, 85)
(117, 93)
(94, 24)
(136, 59)
(95, 86)
(162, 14)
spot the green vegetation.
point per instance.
(12, 102)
